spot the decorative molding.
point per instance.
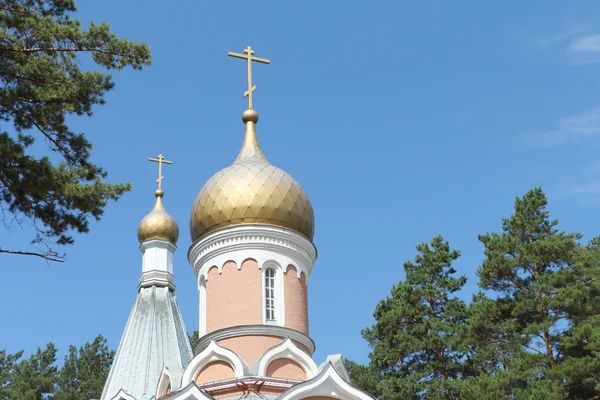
(122, 395)
(214, 352)
(259, 242)
(255, 330)
(286, 350)
(164, 382)
(328, 384)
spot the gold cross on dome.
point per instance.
(160, 160)
(248, 56)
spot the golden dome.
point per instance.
(251, 191)
(158, 224)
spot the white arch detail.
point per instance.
(190, 392)
(261, 257)
(164, 382)
(286, 350)
(213, 352)
(328, 383)
(122, 395)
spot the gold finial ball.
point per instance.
(159, 193)
(250, 116)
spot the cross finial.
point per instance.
(249, 56)
(160, 160)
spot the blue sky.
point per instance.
(401, 121)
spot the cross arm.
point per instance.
(160, 161)
(252, 58)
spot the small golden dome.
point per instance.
(158, 224)
(251, 191)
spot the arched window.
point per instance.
(273, 294)
(270, 295)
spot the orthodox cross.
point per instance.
(248, 56)
(160, 160)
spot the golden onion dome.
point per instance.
(158, 224)
(251, 191)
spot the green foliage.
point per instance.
(417, 345)
(30, 379)
(533, 334)
(193, 338)
(41, 83)
(84, 371)
(81, 377)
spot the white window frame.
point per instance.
(270, 296)
(278, 292)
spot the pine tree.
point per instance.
(580, 343)
(41, 84)
(81, 377)
(7, 366)
(544, 281)
(84, 371)
(417, 339)
(29, 379)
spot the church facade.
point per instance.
(252, 252)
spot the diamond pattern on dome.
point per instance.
(158, 224)
(251, 191)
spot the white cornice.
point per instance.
(261, 242)
(255, 330)
(162, 244)
(157, 278)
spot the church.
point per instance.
(252, 252)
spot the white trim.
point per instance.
(122, 395)
(255, 330)
(279, 293)
(201, 306)
(214, 352)
(286, 350)
(190, 392)
(328, 383)
(161, 244)
(259, 242)
(163, 383)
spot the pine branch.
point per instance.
(28, 50)
(49, 256)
